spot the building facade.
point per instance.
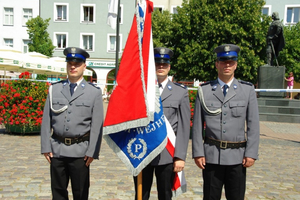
(83, 23)
(13, 17)
(289, 10)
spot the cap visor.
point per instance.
(227, 58)
(74, 60)
(160, 60)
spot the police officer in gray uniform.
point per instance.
(176, 107)
(230, 144)
(71, 131)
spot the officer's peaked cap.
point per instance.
(162, 54)
(227, 52)
(75, 54)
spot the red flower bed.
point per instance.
(22, 102)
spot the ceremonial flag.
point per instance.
(112, 13)
(179, 183)
(134, 126)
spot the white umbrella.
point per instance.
(11, 59)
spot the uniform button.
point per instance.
(70, 104)
(68, 120)
(224, 131)
(225, 113)
(225, 105)
(69, 112)
(67, 129)
(224, 122)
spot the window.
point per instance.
(9, 42)
(174, 10)
(160, 8)
(8, 16)
(292, 15)
(112, 43)
(61, 12)
(27, 15)
(25, 46)
(266, 10)
(87, 41)
(87, 13)
(60, 40)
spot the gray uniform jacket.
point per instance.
(176, 106)
(239, 113)
(84, 114)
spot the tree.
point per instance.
(40, 40)
(202, 25)
(161, 28)
(290, 55)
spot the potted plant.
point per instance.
(21, 104)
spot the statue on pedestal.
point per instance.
(275, 39)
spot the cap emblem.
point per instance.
(162, 51)
(227, 48)
(73, 50)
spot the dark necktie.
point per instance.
(225, 87)
(72, 87)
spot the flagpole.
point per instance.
(117, 40)
(140, 186)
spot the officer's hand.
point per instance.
(248, 162)
(200, 162)
(48, 156)
(178, 165)
(88, 160)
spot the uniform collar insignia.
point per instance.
(65, 83)
(169, 87)
(82, 85)
(214, 87)
(234, 86)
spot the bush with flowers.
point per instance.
(21, 104)
(193, 96)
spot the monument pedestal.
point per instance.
(271, 77)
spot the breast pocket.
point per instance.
(213, 105)
(58, 103)
(170, 110)
(83, 108)
(237, 108)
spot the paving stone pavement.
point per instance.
(24, 172)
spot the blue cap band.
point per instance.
(228, 53)
(162, 56)
(76, 55)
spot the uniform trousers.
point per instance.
(164, 181)
(61, 170)
(233, 177)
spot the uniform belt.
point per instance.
(225, 144)
(70, 141)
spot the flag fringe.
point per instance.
(126, 161)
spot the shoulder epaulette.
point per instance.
(205, 83)
(94, 85)
(245, 82)
(181, 85)
(62, 81)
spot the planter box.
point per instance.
(22, 130)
